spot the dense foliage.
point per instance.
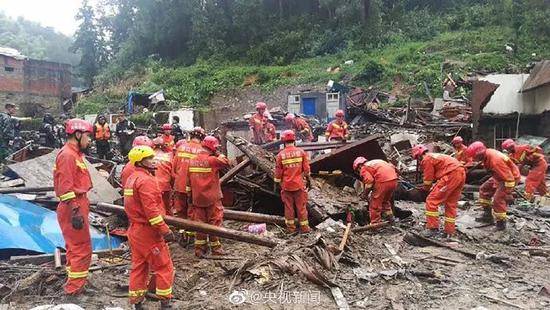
(194, 48)
(35, 41)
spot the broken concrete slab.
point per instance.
(38, 172)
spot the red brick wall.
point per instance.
(11, 81)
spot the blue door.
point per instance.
(308, 106)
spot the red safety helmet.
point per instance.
(289, 117)
(476, 148)
(288, 136)
(142, 140)
(166, 127)
(418, 150)
(76, 124)
(180, 143)
(358, 161)
(508, 144)
(158, 141)
(261, 106)
(457, 140)
(339, 113)
(211, 143)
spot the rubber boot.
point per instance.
(486, 217)
(304, 229)
(501, 225)
(290, 229)
(218, 251)
(200, 251)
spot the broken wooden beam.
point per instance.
(46, 258)
(254, 153)
(204, 228)
(13, 190)
(233, 171)
(370, 227)
(252, 217)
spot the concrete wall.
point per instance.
(507, 98)
(35, 86)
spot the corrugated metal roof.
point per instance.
(11, 52)
(539, 76)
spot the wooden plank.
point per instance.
(45, 258)
(12, 183)
(233, 171)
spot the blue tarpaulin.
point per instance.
(26, 227)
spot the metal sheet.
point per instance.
(342, 158)
(25, 227)
(539, 76)
(38, 172)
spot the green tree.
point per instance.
(90, 44)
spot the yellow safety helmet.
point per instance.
(140, 152)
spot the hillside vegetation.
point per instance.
(392, 43)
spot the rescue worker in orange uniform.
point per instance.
(167, 135)
(380, 177)
(505, 176)
(449, 177)
(129, 167)
(291, 168)
(300, 127)
(148, 233)
(270, 129)
(523, 154)
(460, 151)
(102, 134)
(185, 151)
(163, 172)
(72, 182)
(337, 130)
(258, 123)
(206, 193)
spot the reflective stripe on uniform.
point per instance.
(486, 202)
(187, 189)
(78, 274)
(156, 220)
(450, 219)
(292, 160)
(81, 164)
(276, 180)
(327, 133)
(432, 213)
(67, 196)
(137, 293)
(200, 242)
(165, 292)
(128, 192)
(200, 169)
(289, 222)
(510, 184)
(500, 215)
(186, 155)
(215, 243)
(304, 223)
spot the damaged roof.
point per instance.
(539, 76)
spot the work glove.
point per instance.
(308, 182)
(77, 221)
(169, 237)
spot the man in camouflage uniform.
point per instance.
(7, 130)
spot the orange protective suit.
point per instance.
(126, 172)
(302, 129)
(71, 184)
(163, 174)
(337, 131)
(257, 125)
(460, 155)
(150, 253)
(536, 179)
(505, 175)
(204, 182)
(168, 141)
(292, 164)
(270, 132)
(381, 177)
(180, 165)
(450, 177)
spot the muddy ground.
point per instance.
(368, 274)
